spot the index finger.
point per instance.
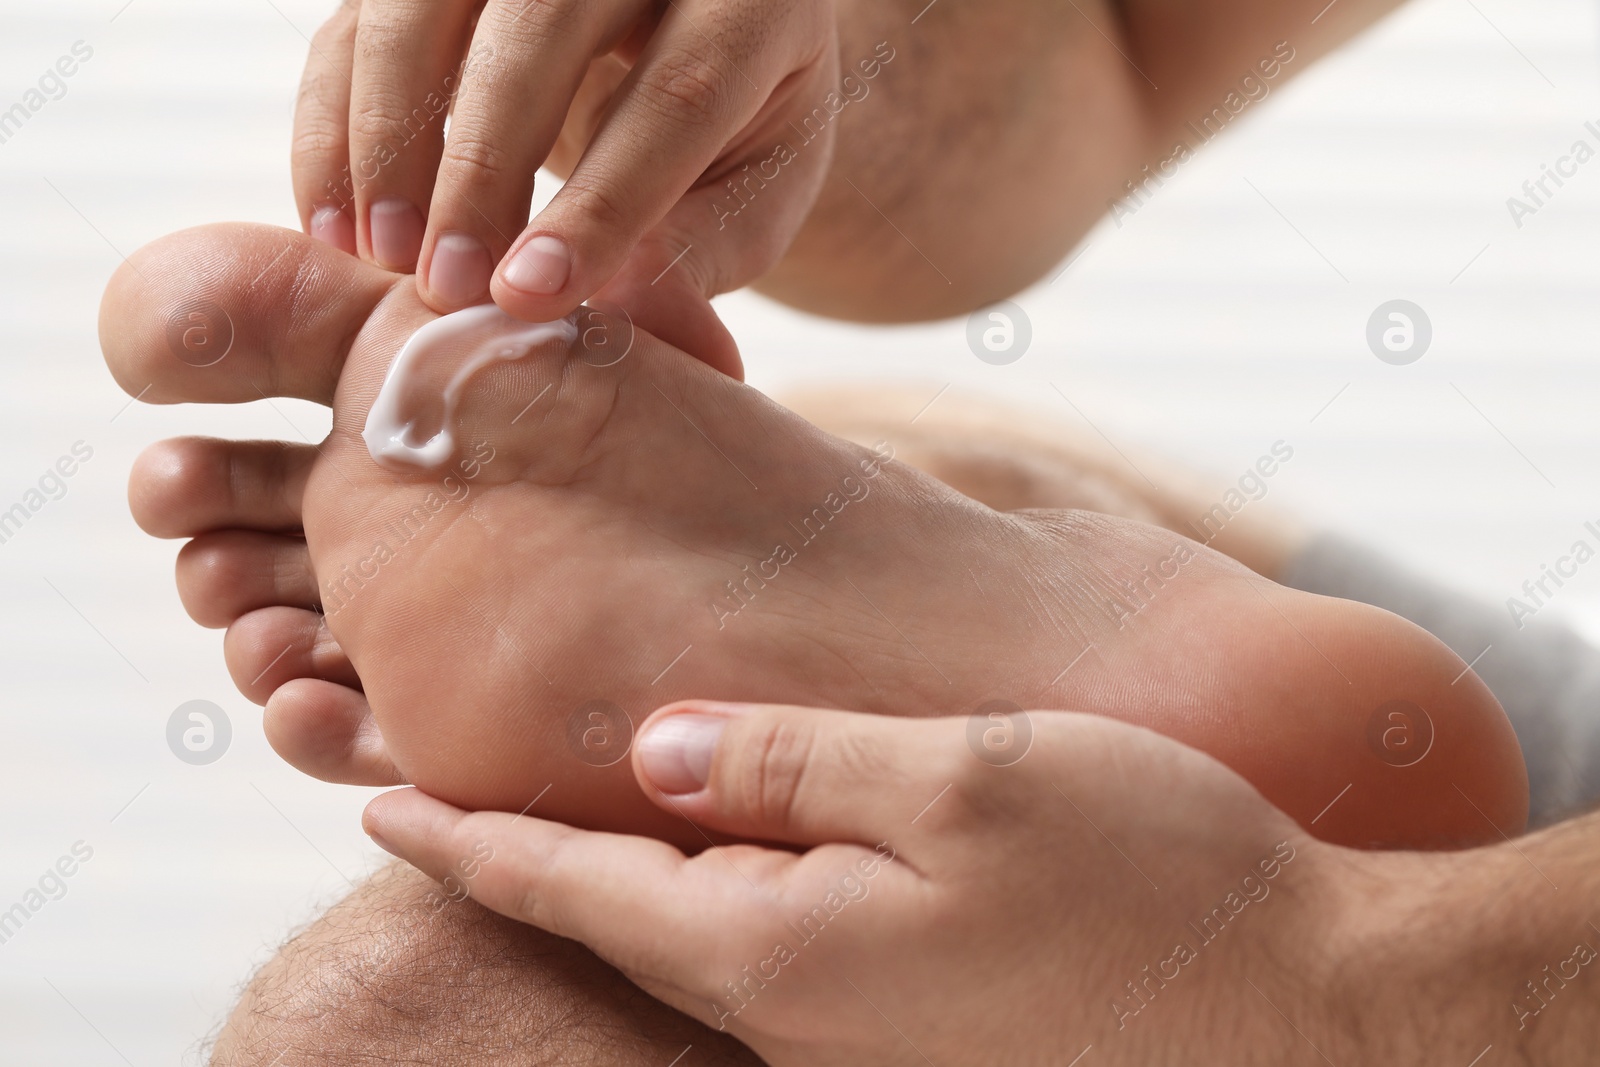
(320, 160)
(613, 892)
(712, 68)
(508, 113)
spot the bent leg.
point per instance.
(395, 973)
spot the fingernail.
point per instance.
(332, 226)
(541, 266)
(397, 228)
(676, 752)
(460, 269)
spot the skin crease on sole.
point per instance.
(623, 535)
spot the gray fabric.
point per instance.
(1545, 675)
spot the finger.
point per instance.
(507, 117)
(320, 160)
(273, 646)
(703, 78)
(327, 731)
(666, 291)
(613, 892)
(797, 775)
(721, 236)
(407, 55)
(223, 575)
(187, 486)
(600, 84)
(671, 303)
(233, 313)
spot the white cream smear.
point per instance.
(472, 339)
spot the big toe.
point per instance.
(233, 313)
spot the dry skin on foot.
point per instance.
(607, 539)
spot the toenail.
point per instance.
(676, 752)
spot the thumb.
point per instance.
(723, 235)
(802, 776)
(663, 291)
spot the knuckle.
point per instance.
(385, 30)
(476, 159)
(699, 272)
(541, 22)
(685, 87)
(595, 203)
(770, 773)
(319, 143)
(383, 116)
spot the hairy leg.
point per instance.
(398, 973)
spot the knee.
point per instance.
(397, 967)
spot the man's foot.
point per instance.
(611, 538)
(1013, 458)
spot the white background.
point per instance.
(1208, 326)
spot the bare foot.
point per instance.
(626, 535)
(1012, 458)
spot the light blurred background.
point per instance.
(1226, 314)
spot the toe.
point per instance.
(233, 313)
(271, 647)
(327, 731)
(222, 576)
(193, 485)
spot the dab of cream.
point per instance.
(475, 337)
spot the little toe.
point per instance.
(224, 575)
(273, 646)
(327, 731)
(188, 486)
